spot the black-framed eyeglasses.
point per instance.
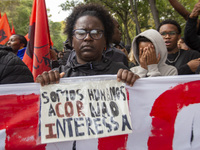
(81, 34)
(171, 33)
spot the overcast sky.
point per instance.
(56, 12)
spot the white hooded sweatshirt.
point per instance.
(160, 69)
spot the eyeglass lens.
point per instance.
(172, 33)
(81, 34)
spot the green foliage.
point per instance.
(56, 32)
(69, 4)
(8, 5)
(120, 8)
(166, 11)
(144, 14)
(18, 12)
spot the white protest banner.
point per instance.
(73, 111)
(165, 115)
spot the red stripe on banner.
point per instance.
(114, 142)
(165, 111)
(19, 116)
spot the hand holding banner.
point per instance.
(93, 109)
(164, 109)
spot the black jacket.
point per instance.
(116, 55)
(191, 35)
(12, 69)
(105, 66)
(184, 57)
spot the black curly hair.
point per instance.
(169, 21)
(91, 9)
(22, 39)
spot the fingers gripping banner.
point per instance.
(92, 109)
(165, 115)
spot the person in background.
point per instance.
(151, 53)
(186, 62)
(131, 57)
(128, 48)
(57, 58)
(182, 45)
(54, 58)
(116, 50)
(122, 48)
(12, 68)
(117, 36)
(192, 30)
(89, 29)
(68, 53)
(60, 55)
(18, 44)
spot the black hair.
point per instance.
(121, 45)
(67, 45)
(128, 48)
(91, 9)
(141, 39)
(22, 39)
(169, 21)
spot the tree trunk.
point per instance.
(154, 12)
(126, 29)
(134, 11)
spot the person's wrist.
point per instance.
(193, 15)
(144, 66)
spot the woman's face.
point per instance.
(14, 43)
(88, 49)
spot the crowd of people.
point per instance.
(94, 47)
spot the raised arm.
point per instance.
(180, 9)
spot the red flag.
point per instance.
(26, 36)
(37, 56)
(13, 29)
(4, 30)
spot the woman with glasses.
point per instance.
(89, 29)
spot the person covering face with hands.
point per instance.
(150, 53)
(89, 29)
(147, 54)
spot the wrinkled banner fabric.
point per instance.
(165, 114)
